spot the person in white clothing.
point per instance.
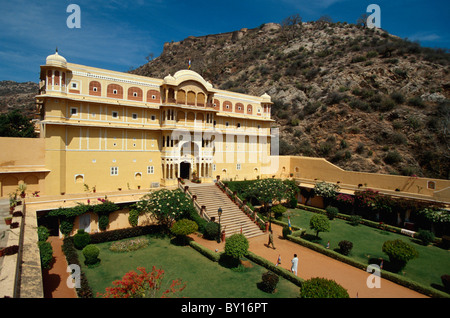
(294, 264)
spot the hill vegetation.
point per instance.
(361, 98)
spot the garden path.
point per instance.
(311, 264)
(314, 264)
(55, 279)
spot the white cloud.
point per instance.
(425, 37)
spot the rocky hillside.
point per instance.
(20, 96)
(361, 98)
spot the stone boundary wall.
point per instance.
(31, 285)
(13, 283)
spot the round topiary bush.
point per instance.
(184, 227)
(425, 236)
(332, 212)
(278, 211)
(345, 247)
(211, 231)
(81, 239)
(355, 219)
(322, 288)
(91, 253)
(236, 246)
(399, 253)
(269, 282)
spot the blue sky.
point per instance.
(118, 35)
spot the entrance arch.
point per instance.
(185, 170)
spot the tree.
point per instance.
(325, 19)
(15, 124)
(362, 20)
(166, 206)
(291, 26)
(269, 190)
(319, 223)
(145, 284)
(399, 253)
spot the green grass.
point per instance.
(203, 277)
(432, 263)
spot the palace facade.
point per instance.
(108, 130)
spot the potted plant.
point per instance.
(8, 220)
(22, 188)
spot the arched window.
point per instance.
(216, 104)
(56, 77)
(95, 88)
(49, 77)
(135, 93)
(114, 91)
(227, 106)
(153, 96)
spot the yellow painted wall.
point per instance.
(117, 220)
(319, 169)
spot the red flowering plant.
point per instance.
(345, 198)
(366, 198)
(146, 284)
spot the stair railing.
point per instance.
(201, 210)
(242, 205)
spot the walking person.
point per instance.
(271, 240)
(294, 264)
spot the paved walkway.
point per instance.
(314, 264)
(311, 264)
(55, 279)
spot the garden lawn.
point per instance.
(203, 277)
(432, 263)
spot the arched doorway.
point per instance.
(185, 169)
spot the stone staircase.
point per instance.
(232, 219)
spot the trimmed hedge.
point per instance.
(69, 250)
(214, 256)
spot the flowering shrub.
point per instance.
(144, 284)
(266, 190)
(435, 215)
(129, 245)
(345, 198)
(326, 190)
(366, 198)
(166, 206)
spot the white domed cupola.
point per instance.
(56, 60)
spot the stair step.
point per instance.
(232, 218)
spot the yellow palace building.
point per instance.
(108, 130)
